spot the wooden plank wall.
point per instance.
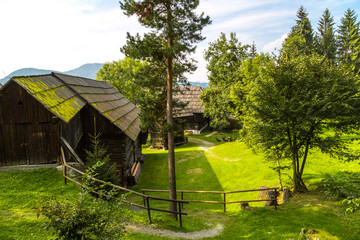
(28, 133)
(73, 131)
(117, 143)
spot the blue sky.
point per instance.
(64, 34)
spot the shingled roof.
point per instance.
(191, 96)
(66, 95)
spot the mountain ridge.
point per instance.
(87, 70)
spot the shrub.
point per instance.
(344, 185)
(86, 218)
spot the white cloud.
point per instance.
(276, 44)
(216, 8)
(60, 34)
(64, 34)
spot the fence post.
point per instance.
(180, 214)
(182, 198)
(64, 164)
(64, 173)
(144, 199)
(148, 208)
(275, 203)
(224, 202)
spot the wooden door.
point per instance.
(28, 144)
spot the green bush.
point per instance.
(86, 218)
(343, 185)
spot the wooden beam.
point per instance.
(72, 152)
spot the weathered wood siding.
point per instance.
(73, 131)
(122, 149)
(28, 132)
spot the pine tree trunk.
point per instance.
(170, 122)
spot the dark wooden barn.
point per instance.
(192, 114)
(36, 111)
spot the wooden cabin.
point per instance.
(36, 111)
(192, 115)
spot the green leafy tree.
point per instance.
(348, 39)
(326, 44)
(144, 85)
(224, 57)
(126, 75)
(176, 27)
(294, 102)
(249, 72)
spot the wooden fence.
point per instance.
(224, 194)
(146, 198)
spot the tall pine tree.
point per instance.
(301, 36)
(176, 28)
(348, 39)
(325, 40)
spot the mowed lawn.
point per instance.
(232, 166)
(21, 192)
(217, 166)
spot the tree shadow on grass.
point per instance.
(193, 172)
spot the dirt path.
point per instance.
(209, 135)
(203, 145)
(207, 146)
(171, 234)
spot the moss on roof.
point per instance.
(66, 95)
(57, 99)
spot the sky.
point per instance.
(64, 34)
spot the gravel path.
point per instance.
(171, 234)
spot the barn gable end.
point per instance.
(43, 108)
(192, 114)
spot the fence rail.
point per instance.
(146, 198)
(224, 193)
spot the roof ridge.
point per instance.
(58, 73)
(67, 85)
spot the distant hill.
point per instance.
(202, 84)
(88, 70)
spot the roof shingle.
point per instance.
(66, 95)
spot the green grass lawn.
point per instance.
(21, 192)
(224, 167)
(232, 166)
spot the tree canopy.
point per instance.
(127, 76)
(301, 99)
(224, 57)
(300, 103)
